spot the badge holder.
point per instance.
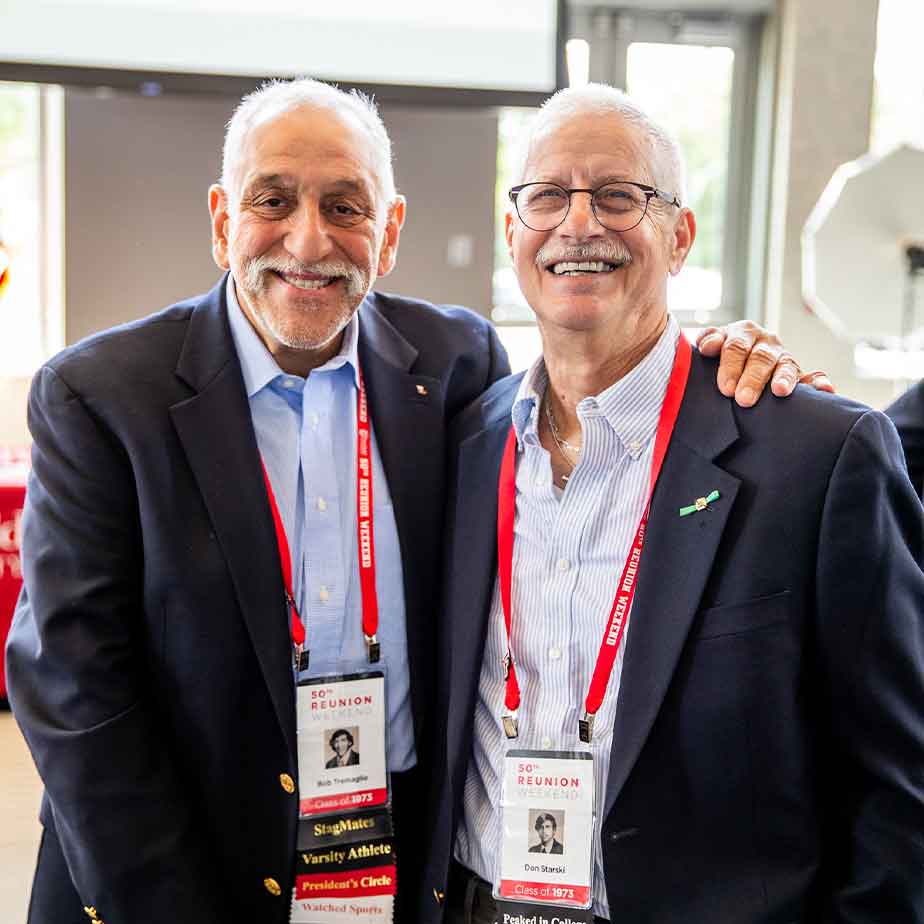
(341, 743)
(547, 820)
(345, 863)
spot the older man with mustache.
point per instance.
(697, 630)
(230, 501)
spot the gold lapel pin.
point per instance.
(701, 503)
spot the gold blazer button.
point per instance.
(287, 783)
(272, 886)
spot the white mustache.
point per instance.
(613, 251)
(258, 266)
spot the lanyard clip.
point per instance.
(300, 657)
(511, 728)
(586, 727)
(373, 648)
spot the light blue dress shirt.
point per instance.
(570, 549)
(306, 433)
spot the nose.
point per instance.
(580, 223)
(307, 237)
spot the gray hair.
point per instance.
(277, 97)
(602, 100)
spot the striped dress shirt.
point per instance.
(570, 549)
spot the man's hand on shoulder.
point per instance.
(750, 357)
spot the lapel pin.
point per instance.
(701, 503)
(421, 389)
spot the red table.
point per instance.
(14, 466)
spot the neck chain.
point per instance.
(564, 447)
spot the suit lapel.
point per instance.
(407, 419)
(216, 431)
(472, 564)
(676, 563)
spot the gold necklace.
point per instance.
(564, 447)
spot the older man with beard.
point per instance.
(232, 496)
(697, 629)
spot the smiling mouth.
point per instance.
(307, 282)
(582, 268)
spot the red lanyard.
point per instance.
(365, 541)
(622, 603)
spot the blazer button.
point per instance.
(287, 783)
(623, 835)
(272, 887)
(439, 896)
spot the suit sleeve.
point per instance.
(499, 363)
(76, 672)
(907, 414)
(871, 635)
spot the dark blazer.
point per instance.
(556, 848)
(149, 663)
(352, 761)
(768, 748)
(907, 413)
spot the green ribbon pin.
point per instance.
(701, 503)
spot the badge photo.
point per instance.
(341, 743)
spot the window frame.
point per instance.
(610, 32)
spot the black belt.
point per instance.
(471, 897)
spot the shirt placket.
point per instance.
(324, 578)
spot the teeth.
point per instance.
(300, 283)
(568, 268)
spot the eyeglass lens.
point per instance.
(618, 206)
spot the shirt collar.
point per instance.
(257, 363)
(632, 405)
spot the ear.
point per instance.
(218, 209)
(508, 230)
(681, 240)
(388, 254)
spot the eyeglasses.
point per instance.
(617, 206)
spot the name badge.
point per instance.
(548, 823)
(341, 743)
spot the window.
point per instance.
(898, 105)
(702, 131)
(31, 311)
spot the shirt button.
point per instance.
(635, 446)
(272, 886)
(555, 652)
(323, 594)
(563, 564)
(313, 420)
(322, 504)
(539, 481)
(546, 743)
(287, 783)
(290, 383)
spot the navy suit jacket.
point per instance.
(768, 747)
(149, 663)
(907, 413)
